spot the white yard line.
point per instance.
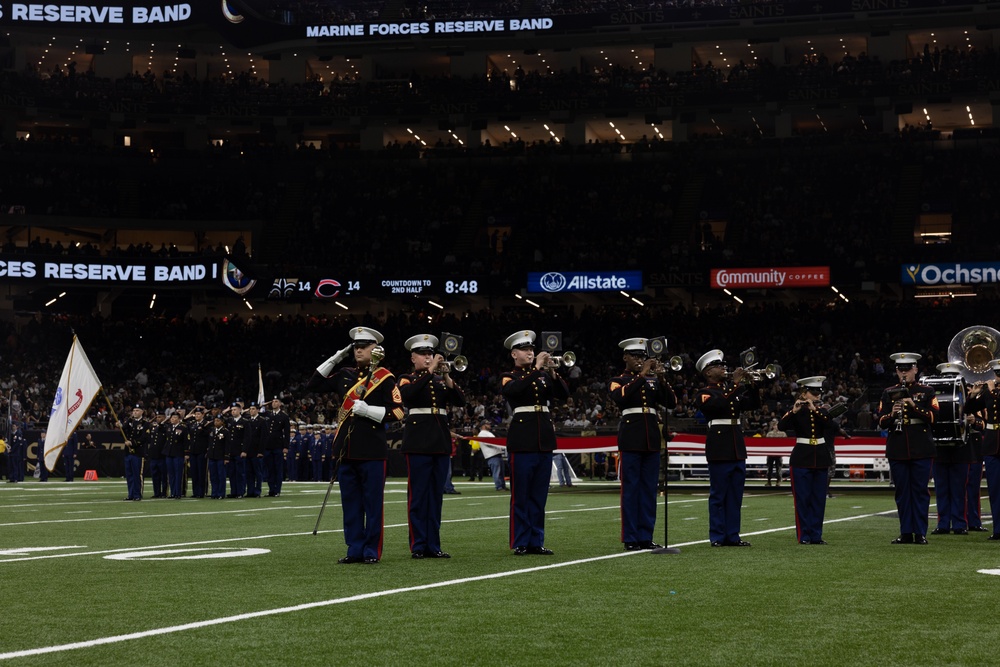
(172, 629)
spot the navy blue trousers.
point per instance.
(530, 473)
(425, 477)
(362, 493)
(973, 489)
(726, 481)
(950, 481)
(809, 496)
(913, 497)
(640, 474)
(133, 476)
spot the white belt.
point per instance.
(532, 408)
(992, 427)
(637, 411)
(916, 421)
(426, 411)
(807, 441)
(724, 422)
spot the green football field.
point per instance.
(90, 580)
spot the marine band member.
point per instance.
(722, 404)
(531, 439)
(637, 392)
(369, 400)
(810, 460)
(427, 392)
(907, 410)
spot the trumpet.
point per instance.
(567, 359)
(769, 372)
(675, 363)
(459, 363)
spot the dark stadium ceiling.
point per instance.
(46, 52)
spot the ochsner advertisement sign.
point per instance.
(959, 273)
(777, 276)
(591, 281)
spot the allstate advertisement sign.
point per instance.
(553, 282)
(959, 273)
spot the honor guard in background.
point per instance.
(326, 451)
(315, 446)
(69, 455)
(16, 447)
(239, 441)
(292, 455)
(276, 441)
(157, 459)
(218, 448)
(369, 399)
(175, 444)
(951, 469)
(531, 439)
(725, 450)
(427, 392)
(137, 437)
(200, 434)
(985, 399)
(907, 410)
(640, 388)
(810, 460)
(257, 426)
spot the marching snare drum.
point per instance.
(950, 423)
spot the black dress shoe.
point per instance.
(940, 531)
(820, 542)
(417, 555)
(919, 539)
(454, 493)
(347, 560)
(961, 531)
(717, 544)
(903, 539)
(437, 554)
(649, 544)
(995, 537)
(737, 543)
(369, 561)
(540, 551)
(978, 529)
(632, 546)
(520, 551)
(805, 542)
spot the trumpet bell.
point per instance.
(972, 349)
(676, 363)
(460, 363)
(569, 359)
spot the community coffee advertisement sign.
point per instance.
(777, 276)
(958, 273)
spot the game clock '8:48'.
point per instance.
(461, 287)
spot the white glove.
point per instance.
(326, 368)
(360, 409)
(375, 413)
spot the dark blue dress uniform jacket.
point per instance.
(428, 433)
(640, 431)
(914, 440)
(716, 401)
(812, 425)
(360, 437)
(531, 431)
